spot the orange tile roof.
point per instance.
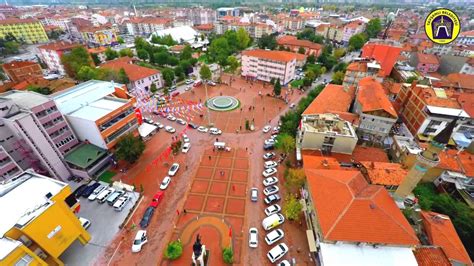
(428, 95)
(134, 72)
(357, 66)
(17, 21)
(336, 98)
(385, 54)
(431, 256)
(292, 40)
(97, 50)
(59, 46)
(204, 27)
(467, 103)
(464, 81)
(372, 97)
(467, 163)
(372, 154)
(427, 59)
(386, 174)
(441, 232)
(282, 56)
(349, 209)
(320, 162)
(18, 64)
(467, 33)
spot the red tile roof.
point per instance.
(18, 64)
(59, 46)
(465, 81)
(386, 174)
(372, 97)
(292, 40)
(349, 209)
(320, 162)
(441, 232)
(431, 256)
(467, 103)
(336, 98)
(467, 33)
(204, 27)
(427, 59)
(385, 54)
(17, 21)
(282, 56)
(134, 72)
(372, 154)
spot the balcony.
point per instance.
(115, 120)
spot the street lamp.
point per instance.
(207, 98)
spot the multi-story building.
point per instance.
(147, 25)
(58, 21)
(267, 65)
(466, 38)
(200, 16)
(294, 45)
(375, 110)
(28, 30)
(35, 134)
(333, 32)
(455, 64)
(99, 112)
(228, 11)
(352, 28)
(140, 77)
(385, 52)
(18, 71)
(425, 63)
(8, 166)
(468, 67)
(51, 54)
(293, 24)
(104, 35)
(360, 69)
(38, 230)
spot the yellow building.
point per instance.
(99, 36)
(37, 220)
(28, 30)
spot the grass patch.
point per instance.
(296, 83)
(106, 176)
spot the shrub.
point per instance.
(174, 250)
(228, 255)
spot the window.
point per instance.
(25, 260)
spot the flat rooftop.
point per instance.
(25, 99)
(24, 197)
(98, 109)
(7, 246)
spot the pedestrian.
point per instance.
(186, 167)
(209, 157)
(217, 140)
(184, 211)
(263, 108)
(246, 149)
(240, 127)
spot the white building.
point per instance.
(179, 34)
(51, 54)
(267, 65)
(466, 37)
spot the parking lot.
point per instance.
(105, 222)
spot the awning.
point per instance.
(311, 240)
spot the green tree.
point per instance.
(166, 91)
(168, 76)
(120, 40)
(233, 63)
(294, 179)
(228, 255)
(111, 54)
(55, 34)
(174, 250)
(339, 52)
(96, 59)
(338, 77)
(123, 77)
(87, 73)
(301, 50)
(277, 88)
(219, 50)
(187, 53)
(153, 88)
(374, 26)
(292, 208)
(267, 42)
(75, 60)
(161, 58)
(126, 52)
(357, 41)
(205, 72)
(411, 79)
(129, 148)
(143, 54)
(41, 90)
(311, 59)
(340, 67)
(285, 143)
(327, 60)
(243, 39)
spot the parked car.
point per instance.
(254, 194)
(90, 189)
(186, 147)
(140, 240)
(170, 129)
(266, 128)
(277, 252)
(147, 217)
(84, 222)
(96, 192)
(193, 126)
(197, 83)
(148, 120)
(211, 83)
(269, 155)
(159, 125)
(173, 169)
(270, 190)
(189, 81)
(173, 88)
(253, 237)
(269, 172)
(270, 164)
(284, 263)
(292, 106)
(114, 197)
(215, 131)
(270, 181)
(181, 121)
(165, 183)
(121, 202)
(272, 209)
(274, 236)
(188, 88)
(268, 147)
(273, 221)
(185, 138)
(171, 118)
(271, 199)
(202, 129)
(276, 130)
(105, 194)
(78, 192)
(269, 142)
(157, 199)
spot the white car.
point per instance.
(269, 172)
(270, 164)
(276, 130)
(272, 209)
(171, 118)
(185, 138)
(84, 222)
(96, 192)
(215, 131)
(189, 81)
(269, 155)
(186, 147)
(266, 129)
(270, 181)
(284, 263)
(274, 236)
(277, 252)
(211, 83)
(273, 221)
(269, 142)
(271, 190)
(165, 183)
(181, 121)
(170, 129)
(188, 88)
(159, 125)
(254, 194)
(173, 169)
(140, 240)
(292, 106)
(202, 129)
(253, 237)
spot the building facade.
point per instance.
(147, 25)
(51, 54)
(267, 65)
(295, 45)
(425, 63)
(99, 36)
(29, 30)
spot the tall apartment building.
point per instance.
(267, 65)
(99, 112)
(51, 54)
(352, 28)
(385, 52)
(360, 69)
(147, 25)
(34, 134)
(200, 16)
(29, 30)
(38, 222)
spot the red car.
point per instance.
(157, 199)
(176, 93)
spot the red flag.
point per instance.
(230, 232)
(138, 113)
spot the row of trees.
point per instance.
(310, 35)
(229, 43)
(9, 44)
(373, 28)
(165, 40)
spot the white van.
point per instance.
(114, 197)
(105, 194)
(96, 192)
(121, 202)
(272, 221)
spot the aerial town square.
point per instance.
(252, 133)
